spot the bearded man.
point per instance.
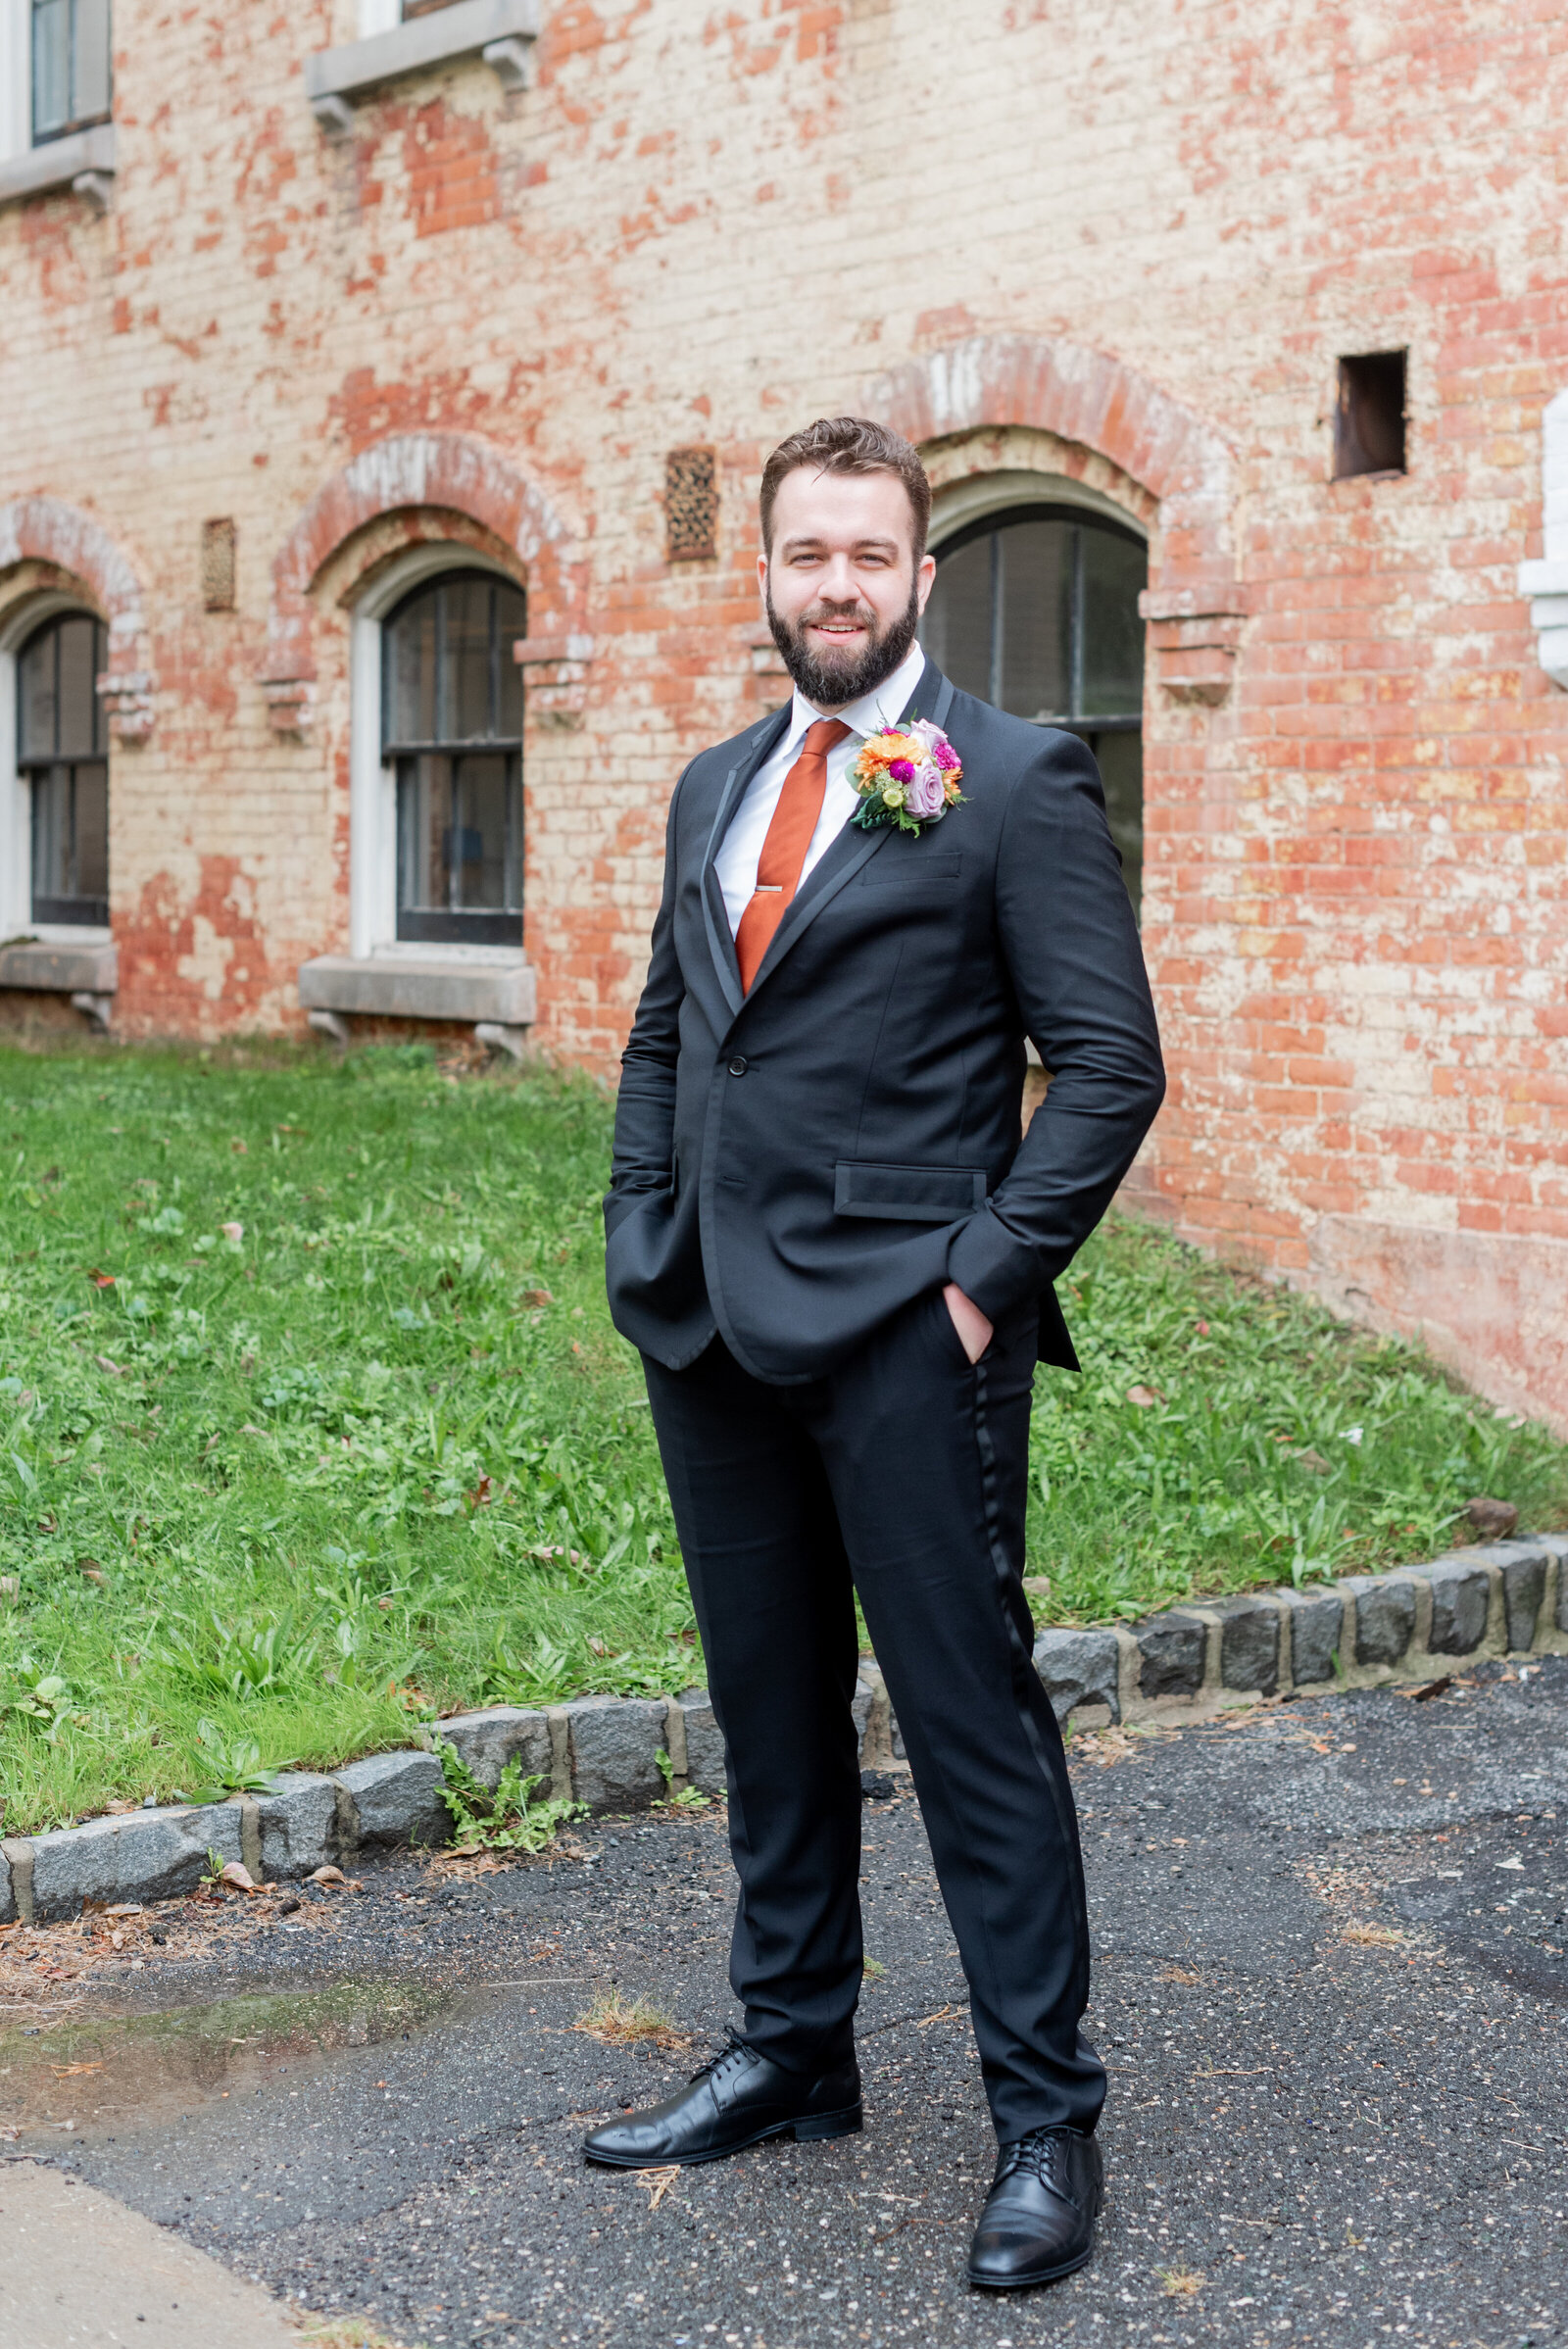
(835, 1249)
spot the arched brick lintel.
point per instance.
(432, 470)
(48, 530)
(1084, 395)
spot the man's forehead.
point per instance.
(813, 503)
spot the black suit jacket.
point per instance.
(793, 1165)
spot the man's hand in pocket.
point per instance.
(974, 1331)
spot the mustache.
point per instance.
(820, 615)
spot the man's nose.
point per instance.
(837, 584)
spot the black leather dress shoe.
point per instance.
(737, 2099)
(1039, 2218)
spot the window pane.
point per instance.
(35, 687)
(477, 845)
(459, 847)
(469, 707)
(411, 644)
(1035, 620)
(1121, 770)
(78, 701)
(1114, 571)
(70, 842)
(956, 628)
(50, 835)
(511, 621)
(90, 93)
(425, 826)
(51, 66)
(90, 814)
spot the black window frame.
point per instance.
(33, 768)
(74, 120)
(1089, 725)
(457, 925)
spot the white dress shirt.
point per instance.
(737, 861)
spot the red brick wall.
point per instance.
(1113, 241)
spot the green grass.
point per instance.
(277, 1497)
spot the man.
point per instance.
(836, 1258)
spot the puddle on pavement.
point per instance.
(111, 2072)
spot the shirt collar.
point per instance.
(884, 705)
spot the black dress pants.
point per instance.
(901, 1475)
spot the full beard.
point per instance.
(832, 682)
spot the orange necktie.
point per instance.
(789, 836)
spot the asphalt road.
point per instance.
(1331, 1985)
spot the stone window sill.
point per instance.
(432, 986)
(52, 967)
(1547, 585)
(501, 32)
(83, 160)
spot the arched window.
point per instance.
(1036, 611)
(452, 728)
(61, 758)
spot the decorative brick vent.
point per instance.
(218, 565)
(691, 505)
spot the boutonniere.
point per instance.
(907, 776)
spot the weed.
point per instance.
(505, 1820)
(617, 2021)
(344, 2332)
(233, 1765)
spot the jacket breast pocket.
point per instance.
(907, 1193)
(915, 864)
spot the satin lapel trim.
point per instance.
(852, 848)
(716, 917)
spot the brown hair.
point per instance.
(848, 443)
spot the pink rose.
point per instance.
(923, 795)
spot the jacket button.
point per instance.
(737, 1067)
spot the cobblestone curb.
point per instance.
(618, 1753)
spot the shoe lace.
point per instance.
(1039, 2153)
(733, 2048)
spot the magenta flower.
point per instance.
(901, 772)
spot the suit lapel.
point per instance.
(851, 849)
(716, 917)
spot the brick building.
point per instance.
(342, 352)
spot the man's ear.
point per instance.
(924, 576)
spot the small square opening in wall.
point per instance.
(691, 505)
(218, 565)
(1369, 422)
